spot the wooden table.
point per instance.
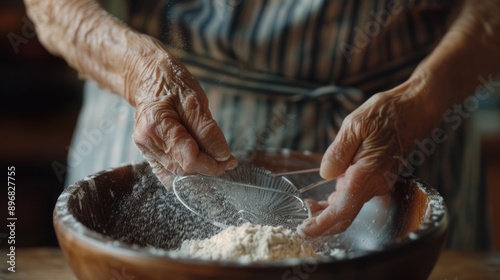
(49, 263)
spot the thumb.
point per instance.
(204, 129)
(211, 139)
(341, 152)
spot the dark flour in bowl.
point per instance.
(152, 216)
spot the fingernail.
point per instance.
(233, 163)
(222, 158)
(306, 225)
(221, 152)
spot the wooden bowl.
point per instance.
(123, 224)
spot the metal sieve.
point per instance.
(245, 194)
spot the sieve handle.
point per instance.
(317, 184)
(304, 171)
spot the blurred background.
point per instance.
(41, 98)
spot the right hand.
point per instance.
(174, 128)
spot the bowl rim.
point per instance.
(63, 220)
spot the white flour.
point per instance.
(151, 216)
(250, 243)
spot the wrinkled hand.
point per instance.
(173, 126)
(174, 129)
(366, 154)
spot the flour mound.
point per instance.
(250, 243)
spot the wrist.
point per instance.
(454, 69)
(143, 68)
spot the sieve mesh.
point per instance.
(245, 194)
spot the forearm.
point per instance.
(96, 44)
(468, 54)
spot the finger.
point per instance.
(163, 175)
(339, 183)
(340, 153)
(336, 217)
(322, 205)
(192, 160)
(361, 183)
(162, 134)
(207, 134)
(152, 146)
(160, 166)
(314, 206)
(163, 167)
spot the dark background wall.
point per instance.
(40, 100)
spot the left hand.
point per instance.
(368, 151)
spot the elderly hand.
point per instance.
(368, 150)
(173, 126)
(374, 140)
